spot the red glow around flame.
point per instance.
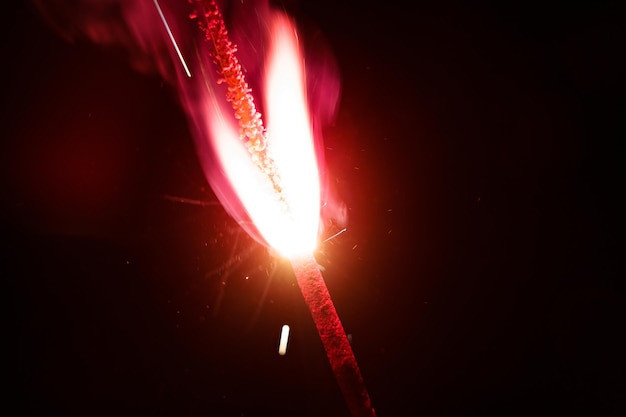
(281, 208)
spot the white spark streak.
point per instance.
(336, 234)
(169, 32)
(284, 337)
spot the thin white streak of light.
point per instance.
(284, 337)
(169, 32)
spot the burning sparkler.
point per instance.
(266, 177)
(281, 190)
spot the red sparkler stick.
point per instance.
(308, 275)
(239, 94)
(331, 331)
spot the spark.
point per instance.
(336, 234)
(169, 33)
(184, 200)
(257, 311)
(284, 337)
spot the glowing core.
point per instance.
(287, 219)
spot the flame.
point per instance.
(269, 179)
(292, 144)
(287, 219)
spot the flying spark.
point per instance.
(169, 33)
(336, 234)
(284, 337)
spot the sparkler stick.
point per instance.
(333, 336)
(308, 275)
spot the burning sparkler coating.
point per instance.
(333, 336)
(308, 275)
(239, 94)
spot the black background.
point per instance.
(476, 148)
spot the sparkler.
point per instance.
(277, 172)
(338, 350)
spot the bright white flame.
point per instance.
(293, 231)
(291, 142)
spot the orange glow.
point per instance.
(287, 218)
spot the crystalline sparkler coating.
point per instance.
(239, 93)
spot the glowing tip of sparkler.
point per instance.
(284, 337)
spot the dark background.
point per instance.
(476, 148)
